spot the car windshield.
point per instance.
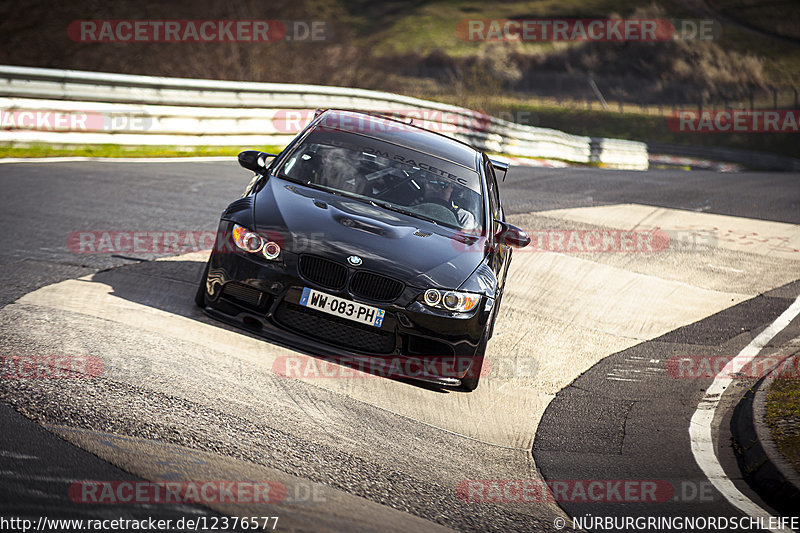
(394, 178)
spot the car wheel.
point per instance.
(471, 383)
(200, 295)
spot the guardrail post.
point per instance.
(595, 149)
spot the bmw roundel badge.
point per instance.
(354, 260)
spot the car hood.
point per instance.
(414, 251)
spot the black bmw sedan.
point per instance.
(367, 237)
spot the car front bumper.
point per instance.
(263, 297)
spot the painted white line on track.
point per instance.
(117, 159)
(700, 425)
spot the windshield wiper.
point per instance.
(392, 207)
(333, 190)
(323, 188)
(309, 183)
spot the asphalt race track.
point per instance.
(579, 386)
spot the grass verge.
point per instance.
(113, 150)
(783, 418)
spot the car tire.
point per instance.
(471, 383)
(200, 295)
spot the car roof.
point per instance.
(403, 134)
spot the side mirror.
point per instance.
(511, 235)
(499, 166)
(254, 160)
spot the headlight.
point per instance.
(252, 242)
(271, 250)
(451, 300)
(433, 297)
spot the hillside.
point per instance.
(416, 48)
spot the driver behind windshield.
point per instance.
(440, 191)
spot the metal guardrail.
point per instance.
(145, 110)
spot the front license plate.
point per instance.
(364, 314)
